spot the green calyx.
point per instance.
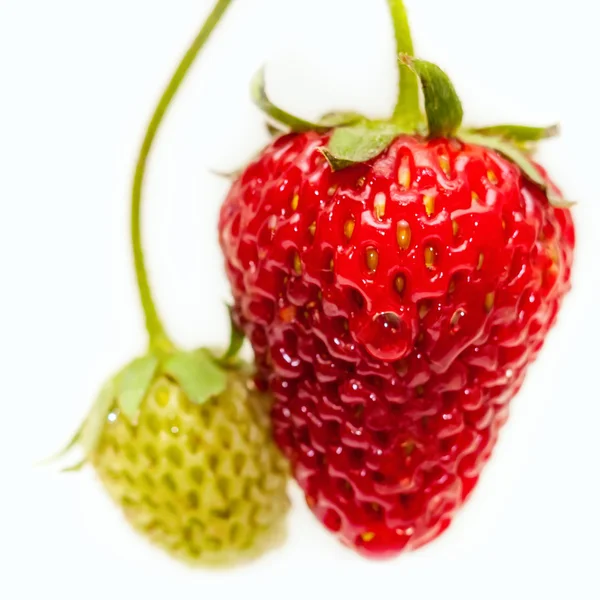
(236, 340)
(513, 151)
(199, 374)
(442, 105)
(520, 135)
(356, 139)
(281, 121)
(359, 143)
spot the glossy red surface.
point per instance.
(393, 308)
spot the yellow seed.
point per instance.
(331, 264)
(361, 181)
(452, 286)
(408, 447)
(420, 390)
(402, 367)
(551, 273)
(429, 202)
(403, 235)
(372, 258)
(553, 253)
(492, 177)
(489, 301)
(312, 228)
(297, 264)
(404, 174)
(455, 228)
(475, 196)
(430, 256)
(480, 261)
(367, 536)
(375, 507)
(423, 309)
(445, 164)
(349, 228)
(380, 205)
(332, 190)
(288, 314)
(162, 396)
(295, 201)
(400, 283)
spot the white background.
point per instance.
(78, 80)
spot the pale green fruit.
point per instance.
(204, 481)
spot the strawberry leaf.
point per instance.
(236, 339)
(133, 383)
(230, 176)
(260, 98)
(197, 374)
(518, 134)
(338, 119)
(64, 451)
(521, 159)
(75, 468)
(359, 143)
(275, 129)
(442, 105)
(234, 174)
(96, 419)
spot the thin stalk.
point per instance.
(156, 330)
(407, 112)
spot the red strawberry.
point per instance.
(395, 288)
(394, 309)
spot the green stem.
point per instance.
(407, 112)
(156, 331)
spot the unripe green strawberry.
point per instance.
(205, 482)
(182, 443)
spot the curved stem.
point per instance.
(154, 325)
(407, 112)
